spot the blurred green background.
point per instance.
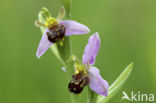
(127, 30)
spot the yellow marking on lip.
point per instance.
(52, 36)
(76, 83)
(74, 89)
(81, 85)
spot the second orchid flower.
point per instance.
(85, 73)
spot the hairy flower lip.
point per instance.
(78, 82)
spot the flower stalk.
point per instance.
(92, 96)
(67, 50)
(67, 5)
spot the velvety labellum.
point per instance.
(78, 82)
(56, 33)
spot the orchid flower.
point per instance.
(56, 30)
(86, 73)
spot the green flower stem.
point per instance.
(75, 98)
(67, 5)
(67, 50)
(92, 96)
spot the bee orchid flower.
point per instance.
(86, 73)
(56, 30)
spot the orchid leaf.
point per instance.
(116, 85)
